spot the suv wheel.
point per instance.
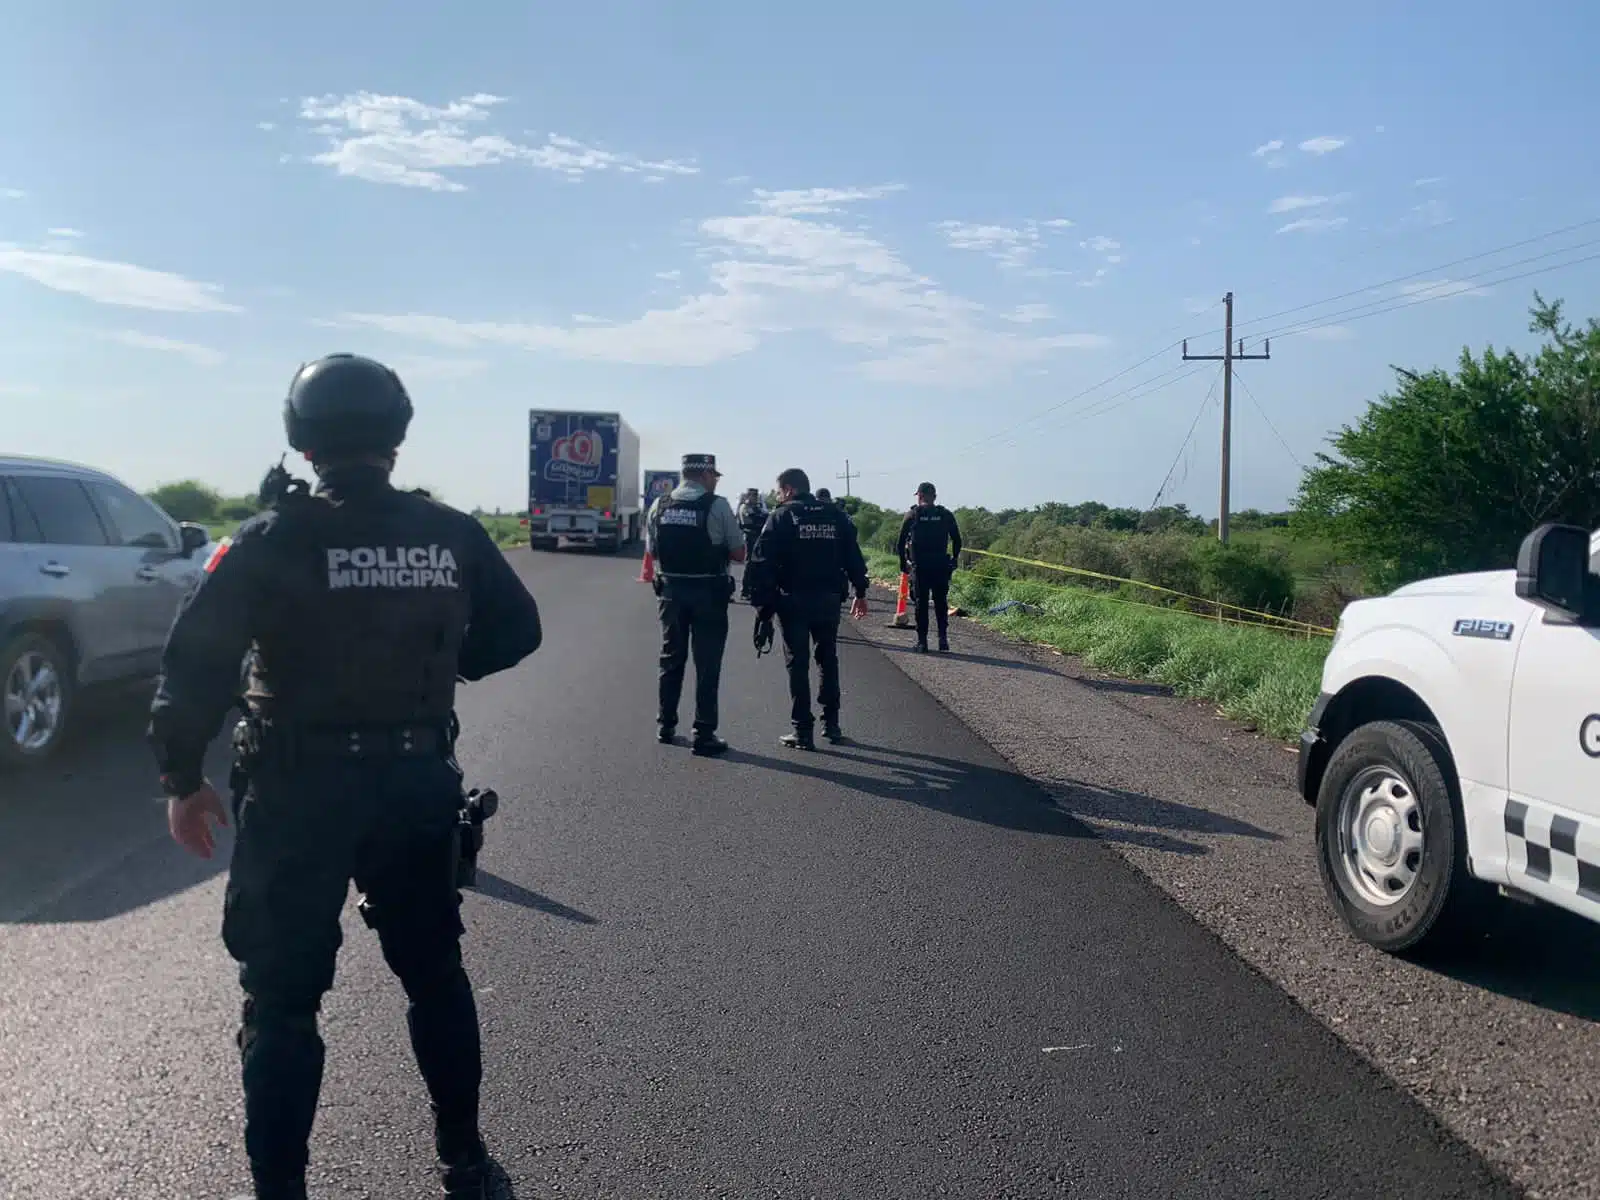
(35, 699)
(1391, 843)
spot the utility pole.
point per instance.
(847, 476)
(1227, 358)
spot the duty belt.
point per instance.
(364, 741)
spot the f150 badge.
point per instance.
(1477, 627)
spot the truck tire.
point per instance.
(1392, 842)
(36, 699)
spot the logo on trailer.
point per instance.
(659, 483)
(575, 458)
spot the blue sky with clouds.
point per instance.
(915, 236)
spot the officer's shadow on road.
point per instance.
(496, 888)
(1004, 798)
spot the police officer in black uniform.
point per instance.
(929, 528)
(799, 559)
(694, 536)
(360, 606)
(752, 517)
(824, 496)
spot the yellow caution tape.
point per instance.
(1257, 616)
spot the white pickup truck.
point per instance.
(1455, 749)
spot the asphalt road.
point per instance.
(888, 969)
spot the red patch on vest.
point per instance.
(216, 555)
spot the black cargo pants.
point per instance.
(309, 824)
(694, 619)
(810, 622)
(931, 581)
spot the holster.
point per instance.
(246, 741)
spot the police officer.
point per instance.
(752, 516)
(924, 535)
(799, 559)
(360, 606)
(693, 535)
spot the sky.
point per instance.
(949, 241)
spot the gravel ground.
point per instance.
(1503, 1045)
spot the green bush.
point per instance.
(1246, 574)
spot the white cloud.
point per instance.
(1429, 212)
(266, 126)
(1285, 204)
(1323, 145)
(1270, 152)
(64, 232)
(9, 193)
(1101, 244)
(114, 283)
(1012, 246)
(799, 201)
(669, 275)
(774, 273)
(401, 141)
(21, 391)
(1313, 224)
(1026, 314)
(1430, 181)
(1329, 333)
(1377, 129)
(203, 355)
(1442, 289)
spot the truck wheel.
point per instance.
(1391, 841)
(36, 696)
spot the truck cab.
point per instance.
(1454, 751)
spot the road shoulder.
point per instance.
(1504, 1050)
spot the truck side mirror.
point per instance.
(192, 537)
(1553, 570)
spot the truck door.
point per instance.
(1553, 811)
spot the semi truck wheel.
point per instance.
(1391, 840)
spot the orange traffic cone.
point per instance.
(902, 611)
(647, 572)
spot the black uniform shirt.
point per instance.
(359, 606)
(807, 546)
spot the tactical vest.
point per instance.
(816, 563)
(683, 542)
(365, 622)
(930, 534)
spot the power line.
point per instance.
(1456, 262)
(1195, 424)
(1328, 319)
(1268, 420)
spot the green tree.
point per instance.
(1449, 472)
(188, 500)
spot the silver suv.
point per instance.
(91, 576)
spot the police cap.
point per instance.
(346, 404)
(825, 495)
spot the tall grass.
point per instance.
(1266, 680)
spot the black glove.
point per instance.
(764, 633)
(955, 561)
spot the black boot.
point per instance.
(708, 745)
(666, 734)
(464, 1173)
(800, 739)
(922, 644)
(831, 731)
(279, 1189)
(944, 643)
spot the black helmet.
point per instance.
(346, 404)
(825, 495)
